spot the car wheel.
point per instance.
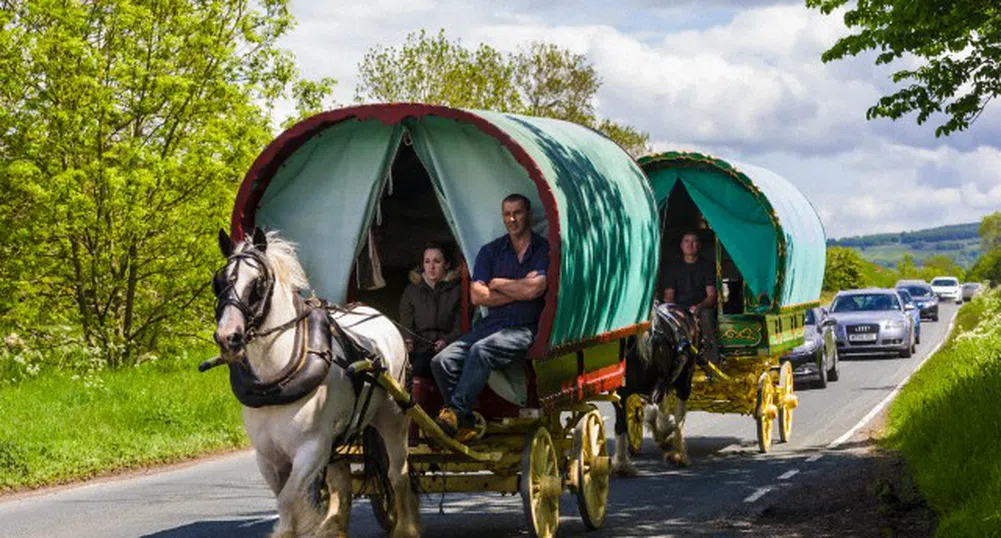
(935, 317)
(907, 351)
(835, 372)
(821, 371)
(917, 338)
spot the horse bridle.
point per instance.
(258, 302)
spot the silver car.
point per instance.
(872, 321)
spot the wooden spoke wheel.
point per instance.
(764, 411)
(635, 408)
(592, 469)
(383, 511)
(540, 484)
(786, 401)
(381, 501)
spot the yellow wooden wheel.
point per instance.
(635, 407)
(592, 465)
(540, 484)
(786, 401)
(765, 411)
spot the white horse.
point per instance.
(256, 293)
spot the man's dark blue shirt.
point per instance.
(498, 259)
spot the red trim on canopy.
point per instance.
(279, 150)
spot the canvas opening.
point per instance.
(681, 215)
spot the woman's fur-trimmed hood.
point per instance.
(416, 276)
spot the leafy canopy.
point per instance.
(957, 43)
(541, 79)
(125, 127)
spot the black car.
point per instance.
(924, 297)
(817, 358)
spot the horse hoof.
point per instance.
(676, 459)
(624, 470)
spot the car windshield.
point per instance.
(945, 282)
(811, 319)
(865, 302)
(917, 291)
(971, 286)
(906, 296)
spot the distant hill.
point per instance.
(961, 242)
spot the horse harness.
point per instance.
(316, 329)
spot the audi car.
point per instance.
(872, 321)
(924, 297)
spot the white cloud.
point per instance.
(742, 80)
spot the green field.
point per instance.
(960, 242)
(59, 427)
(947, 424)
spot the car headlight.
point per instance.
(893, 324)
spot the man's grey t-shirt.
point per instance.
(689, 281)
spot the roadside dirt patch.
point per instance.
(868, 493)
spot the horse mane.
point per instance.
(281, 253)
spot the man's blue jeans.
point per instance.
(461, 370)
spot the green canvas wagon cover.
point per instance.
(770, 230)
(319, 184)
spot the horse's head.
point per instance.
(243, 288)
(672, 329)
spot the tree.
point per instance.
(906, 267)
(540, 80)
(958, 43)
(556, 83)
(990, 232)
(844, 269)
(433, 69)
(125, 127)
(987, 267)
(939, 265)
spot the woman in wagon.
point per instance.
(509, 278)
(429, 308)
(691, 283)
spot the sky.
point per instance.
(740, 79)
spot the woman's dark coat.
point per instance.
(432, 313)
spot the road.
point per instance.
(728, 480)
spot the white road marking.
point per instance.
(879, 407)
(814, 458)
(788, 474)
(758, 494)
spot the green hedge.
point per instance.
(947, 424)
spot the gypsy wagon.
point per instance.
(360, 189)
(769, 247)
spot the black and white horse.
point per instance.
(661, 362)
(258, 306)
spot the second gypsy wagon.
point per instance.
(769, 248)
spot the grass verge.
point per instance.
(947, 424)
(59, 428)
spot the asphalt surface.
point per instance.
(727, 483)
